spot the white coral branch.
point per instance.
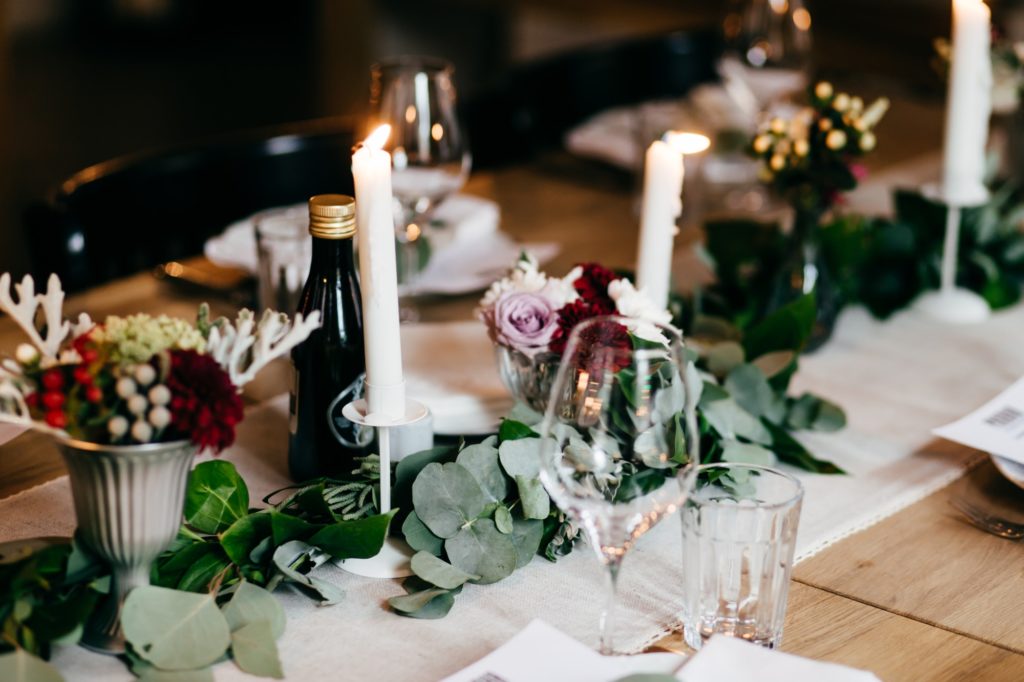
(243, 353)
(24, 312)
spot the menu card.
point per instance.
(996, 427)
(540, 653)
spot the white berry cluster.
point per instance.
(836, 124)
(146, 400)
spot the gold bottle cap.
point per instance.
(332, 216)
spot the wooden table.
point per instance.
(919, 596)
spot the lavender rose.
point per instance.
(524, 322)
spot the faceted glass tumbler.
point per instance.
(739, 536)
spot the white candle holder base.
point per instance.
(393, 559)
(955, 306)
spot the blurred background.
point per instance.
(84, 81)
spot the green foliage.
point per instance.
(176, 635)
(223, 543)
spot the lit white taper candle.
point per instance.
(969, 104)
(661, 207)
(371, 169)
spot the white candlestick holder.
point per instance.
(393, 559)
(952, 304)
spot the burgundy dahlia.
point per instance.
(571, 314)
(205, 405)
(592, 284)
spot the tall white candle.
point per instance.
(662, 204)
(969, 104)
(371, 169)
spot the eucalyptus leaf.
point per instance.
(746, 453)
(524, 414)
(438, 571)
(21, 666)
(174, 630)
(775, 362)
(447, 497)
(482, 550)
(216, 496)
(652, 447)
(731, 421)
(254, 650)
(535, 501)
(419, 536)
(250, 604)
(503, 519)
(410, 467)
(359, 539)
(669, 401)
(292, 558)
(526, 537)
(482, 461)
(521, 457)
(427, 604)
(749, 387)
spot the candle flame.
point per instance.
(378, 137)
(687, 143)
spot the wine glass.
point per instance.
(619, 437)
(769, 51)
(429, 155)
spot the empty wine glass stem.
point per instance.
(607, 619)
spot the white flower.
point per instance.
(125, 387)
(159, 395)
(118, 426)
(159, 417)
(26, 353)
(524, 278)
(141, 431)
(636, 305)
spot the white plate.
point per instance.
(1014, 471)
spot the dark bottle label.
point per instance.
(349, 434)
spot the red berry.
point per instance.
(93, 394)
(56, 419)
(53, 400)
(53, 379)
(82, 375)
(89, 355)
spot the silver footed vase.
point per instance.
(128, 502)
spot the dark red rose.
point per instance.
(205, 406)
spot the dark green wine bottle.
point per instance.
(329, 366)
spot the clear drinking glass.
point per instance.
(429, 155)
(739, 535)
(619, 437)
(284, 249)
(769, 50)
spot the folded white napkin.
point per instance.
(728, 659)
(620, 136)
(469, 251)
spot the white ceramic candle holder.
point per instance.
(393, 559)
(952, 304)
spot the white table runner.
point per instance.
(897, 380)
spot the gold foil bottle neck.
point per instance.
(332, 216)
